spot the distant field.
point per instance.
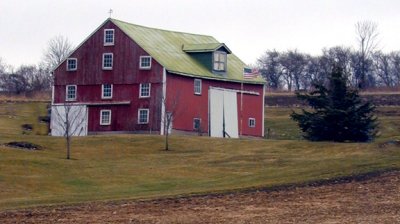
(285, 99)
(135, 166)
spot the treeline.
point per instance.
(34, 78)
(292, 70)
(26, 78)
(364, 67)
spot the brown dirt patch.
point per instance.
(375, 200)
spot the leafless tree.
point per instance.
(293, 67)
(171, 111)
(367, 39)
(270, 68)
(59, 47)
(382, 68)
(395, 68)
(69, 121)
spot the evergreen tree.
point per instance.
(338, 113)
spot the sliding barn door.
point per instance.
(223, 113)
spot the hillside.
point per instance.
(136, 167)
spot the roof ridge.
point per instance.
(172, 31)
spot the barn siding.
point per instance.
(182, 88)
(125, 77)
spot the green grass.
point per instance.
(135, 166)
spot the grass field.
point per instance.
(135, 166)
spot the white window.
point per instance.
(145, 62)
(143, 116)
(197, 86)
(106, 91)
(252, 122)
(107, 61)
(144, 90)
(196, 124)
(108, 37)
(105, 117)
(70, 94)
(219, 61)
(72, 64)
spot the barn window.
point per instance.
(72, 64)
(70, 93)
(143, 116)
(219, 61)
(105, 117)
(107, 61)
(196, 124)
(197, 86)
(145, 62)
(252, 122)
(108, 37)
(106, 91)
(144, 90)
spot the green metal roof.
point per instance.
(205, 47)
(166, 47)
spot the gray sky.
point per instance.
(248, 27)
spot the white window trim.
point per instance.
(252, 118)
(66, 93)
(101, 120)
(112, 61)
(76, 64)
(148, 112)
(196, 118)
(194, 86)
(140, 90)
(140, 63)
(225, 61)
(104, 40)
(102, 92)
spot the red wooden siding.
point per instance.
(196, 106)
(125, 77)
(125, 70)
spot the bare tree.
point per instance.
(171, 111)
(270, 68)
(382, 68)
(367, 34)
(395, 68)
(59, 47)
(293, 67)
(69, 120)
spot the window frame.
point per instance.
(66, 93)
(252, 119)
(112, 61)
(219, 62)
(140, 62)
(194, 123)
(199, 87)
(147, 117)
(141, 92)
(101, 117)
(76, 64)
(102, 91)
(105, 37)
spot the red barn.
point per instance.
(128, 78)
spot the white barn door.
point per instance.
(77, 119)
(223, 113)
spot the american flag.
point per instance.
(249, 73)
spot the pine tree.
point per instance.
(338, 113)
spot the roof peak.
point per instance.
(153, 28)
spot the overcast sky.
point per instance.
(248, 27)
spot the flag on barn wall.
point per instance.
(249, 73)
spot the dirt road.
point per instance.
(375, 200)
